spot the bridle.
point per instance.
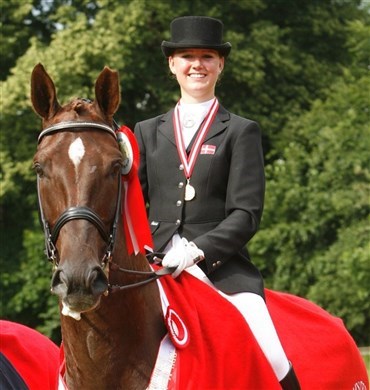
(86, 213)
(80, 212)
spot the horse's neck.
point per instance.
(115, 345)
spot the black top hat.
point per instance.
(196, 32)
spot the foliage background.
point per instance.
(300, 68)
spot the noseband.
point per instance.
(86, 213)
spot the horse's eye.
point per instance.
(38, 169)
(116, 168)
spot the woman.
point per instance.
(202, 175)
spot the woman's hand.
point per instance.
(182, 255)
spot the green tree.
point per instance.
(315, 236)
(285, 55)
(22, 19)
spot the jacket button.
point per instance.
(178, 203)
(181, 184)
(178, 222)
(181, 167)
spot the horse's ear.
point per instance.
(107, 93)
(43, 94)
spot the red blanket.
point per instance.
(221, 352)
(323, 352)
(33, 356)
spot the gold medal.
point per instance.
(189, 192)
(188, 162)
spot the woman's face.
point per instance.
(196, 71)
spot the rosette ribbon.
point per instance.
(135, 221)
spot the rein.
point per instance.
(152, 275)
(86, 213)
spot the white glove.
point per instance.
(182, 255)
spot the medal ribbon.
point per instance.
(189, 162)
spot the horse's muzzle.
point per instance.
(80, 291)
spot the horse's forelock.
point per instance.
(79, 109)
(80, 106)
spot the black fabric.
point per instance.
(9, 376)
(227, 208)
(290, 381)
(196, 32)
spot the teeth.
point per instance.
(197, 75)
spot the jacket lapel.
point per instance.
(166, 126)
(219, 124)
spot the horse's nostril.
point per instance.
(57, 281)
(98, 281)
(93, 282)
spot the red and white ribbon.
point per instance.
(136, 226)
(189, 162)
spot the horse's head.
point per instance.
(78, 164)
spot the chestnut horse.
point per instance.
(111, 339)
(96, 347)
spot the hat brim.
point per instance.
(168, 48)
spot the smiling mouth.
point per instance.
(197, 75)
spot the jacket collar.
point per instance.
(219, 124)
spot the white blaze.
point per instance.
(76, 151)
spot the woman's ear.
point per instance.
(171, 64)
(221, 64)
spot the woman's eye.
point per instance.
(186, 54)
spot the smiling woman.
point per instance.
(197, 71)
(202, 175)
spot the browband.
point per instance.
(75, 125)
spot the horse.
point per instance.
(118, 319)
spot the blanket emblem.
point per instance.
(177, 329)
